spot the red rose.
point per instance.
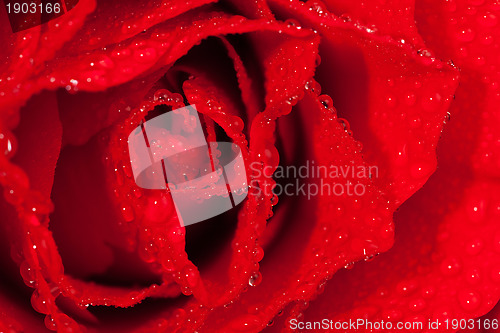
(338, 86)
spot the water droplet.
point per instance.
(255, 279)
(415, 122)
(191, 277)
(344, 123)
(314, 87)
(246, 323)
(391, 101)
(488, 20)
(450, 266)
(106, 62)
(161, 95)
(476, 210)
(473, 276)
(420, 170)
(186, 291)
(465, 35)
(137, 193)
(370, 257)
(148, 252)
(447, 117)
(405, 288)
(346, 18)
(326, 101)
(487, 40)
(469, 300)
(317, 61)
(258, 254)
(349, 265)
(40, 304)
(27, 274)
(431, 103)
(293, 23)
(179, 314)
(8, 143)
(428, 292)
(426, 56)
(474, 247)
(274, 200)
(417, 305)
(127, 213)
(402, 154)
(392, 315)
(145, 55)
(315, 6)
(50, 323)
(66, 324)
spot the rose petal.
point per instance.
(444, 263)
(448, 229)
(253, 8)
(392, 18)
(130, 19)
(470, 43)
(383, 101)
(304, 255)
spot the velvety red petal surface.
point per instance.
(445, 259)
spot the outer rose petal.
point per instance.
(447, 252)
(130, 19)
(444, 264)
(383, 100)
(468, 33)
(253, 8)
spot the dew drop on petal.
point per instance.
(450, 266)
(476, 210)
(7, 144)
(246, 323)
(473, 276)
(469, 300)
(145, 55)
(349, 265)
(27, 274)
(258, 254)
(255, 279)
(465, 35)
(191, 277)
(50, 323)
(127, 213)
(326, 101)
(474, 247)
(39, 304)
